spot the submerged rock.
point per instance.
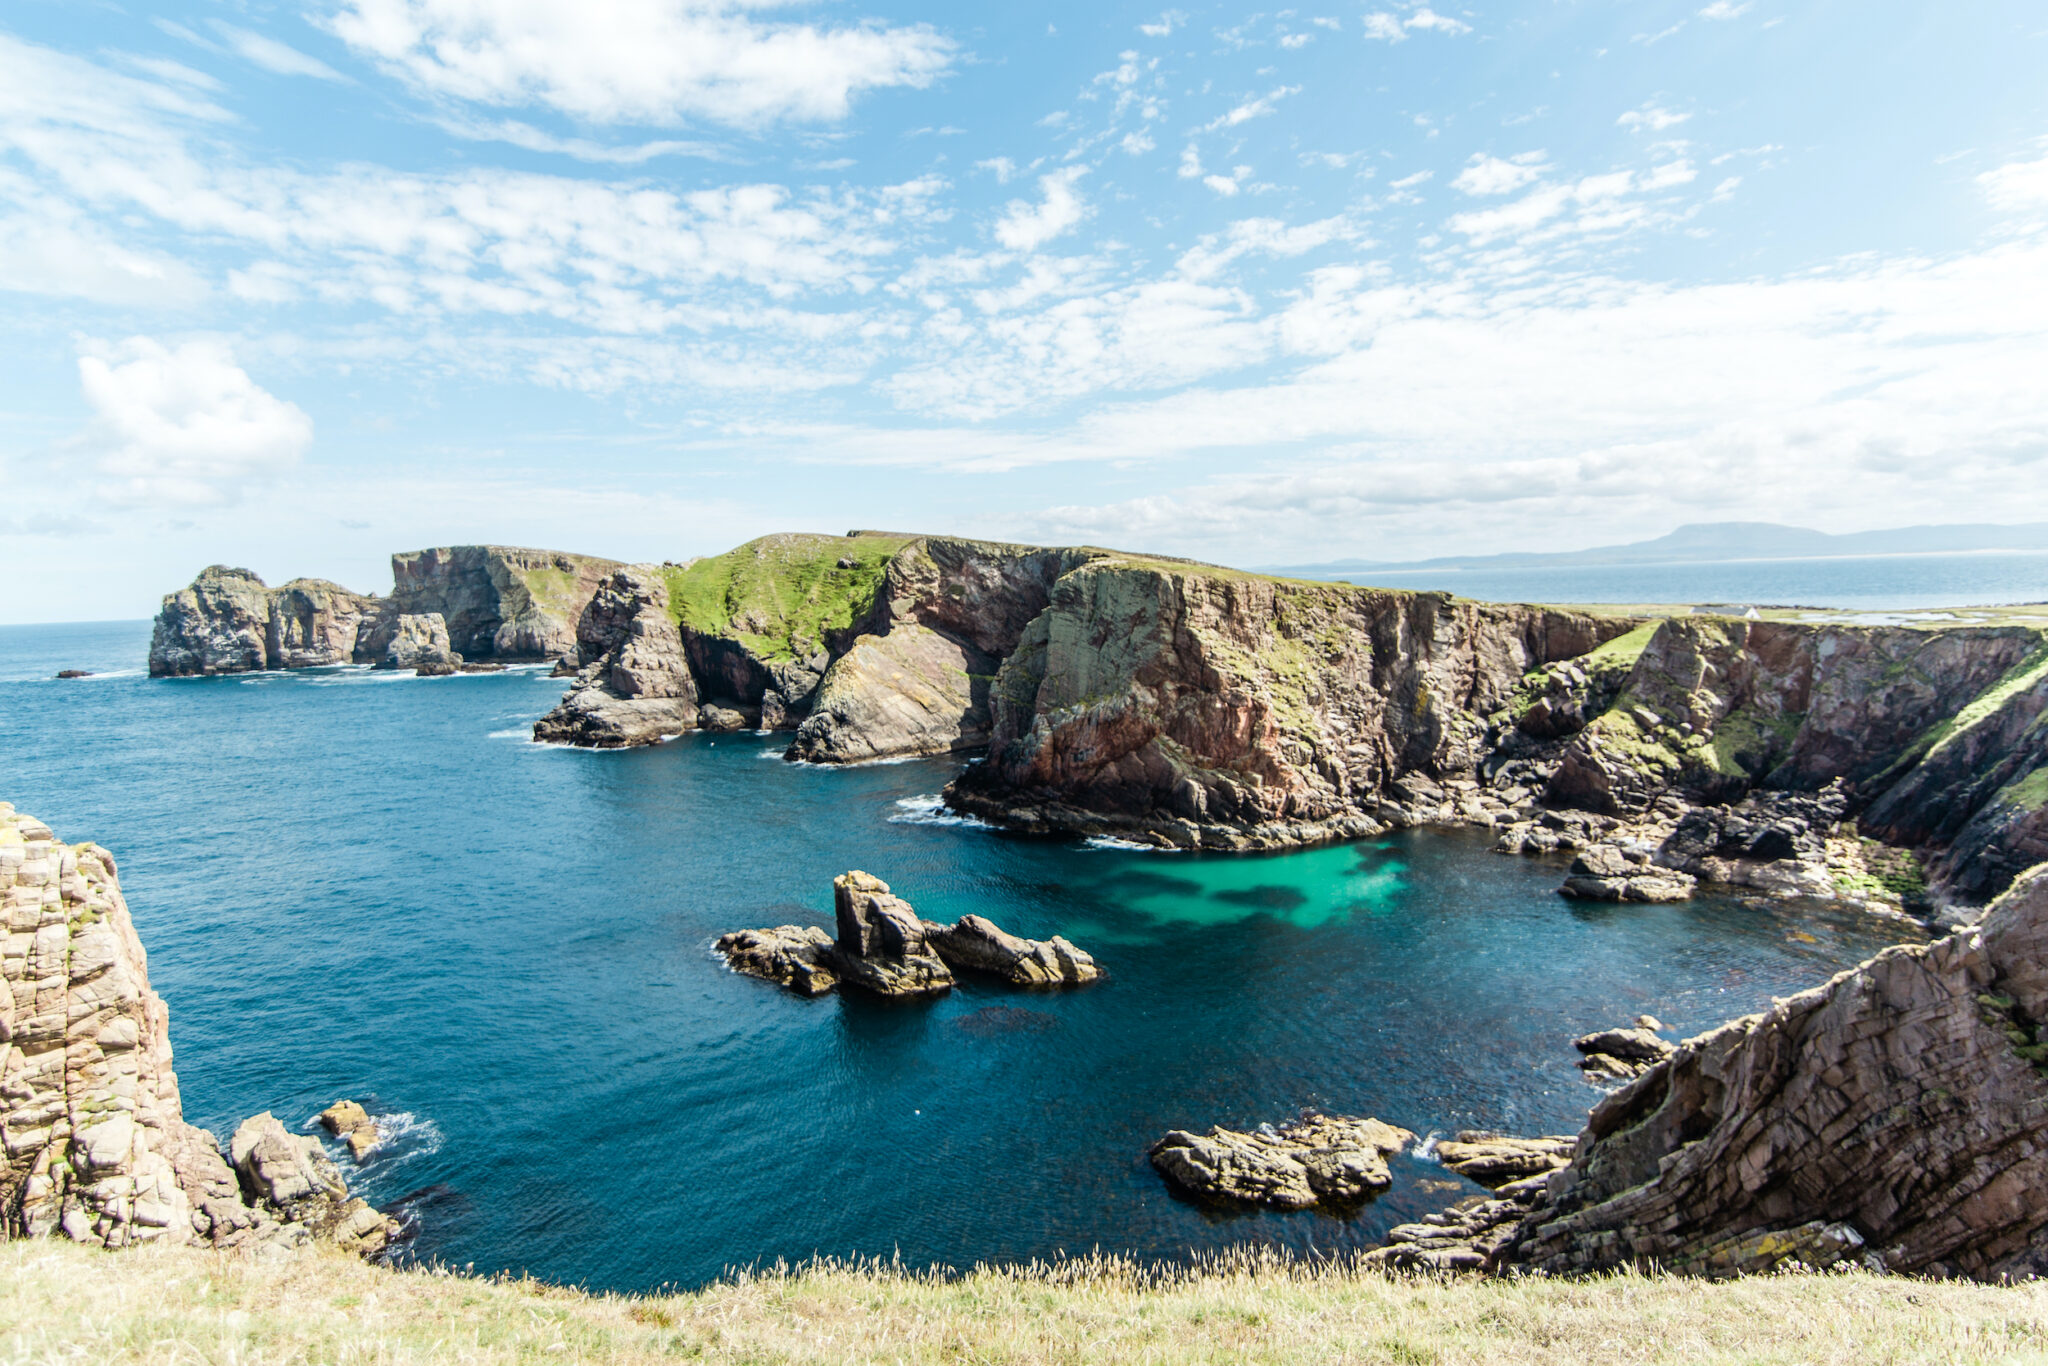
(1318, 1159)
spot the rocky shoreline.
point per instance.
(93, 1139)
(1186, 706)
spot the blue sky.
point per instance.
(296, 285)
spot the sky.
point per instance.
(296, 285)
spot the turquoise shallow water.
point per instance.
(368, 885)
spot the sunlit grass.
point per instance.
(160, 1306)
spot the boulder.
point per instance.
(977, 944)
(351, 1123)
(796, 956)
(881, 944)
(1318, 1159)
(289, 1171)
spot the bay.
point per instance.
(366, 884)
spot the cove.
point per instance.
(373, 885)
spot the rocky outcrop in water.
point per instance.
(93, 1141)
(1317, 1160)
(349, 1121)
(885, 947)
(420, 643)
(637, 687)
(494, 602)
(1496, 1160)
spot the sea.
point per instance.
(364, 884)
(1879, 584)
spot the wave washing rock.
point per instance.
(350, 1122)
(885, 947)
(93, 1142)
(495, 602)
(1896, 1116)
(1317, 1160)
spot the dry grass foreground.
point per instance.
(64, 1303)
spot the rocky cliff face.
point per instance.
(1900, 1110)
(1217, 709)
(500, 602)
(495, 602)
(637, 687)
(93, 1141)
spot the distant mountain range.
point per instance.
(1706, 541)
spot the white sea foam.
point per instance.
(401, 1137)
(929, 810)
(1112, 842)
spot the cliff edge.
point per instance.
(93, 1139)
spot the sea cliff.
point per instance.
(93, 1139)
(460, 602)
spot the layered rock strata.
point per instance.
(1317, 1160)
(494, 603)
(93, 1141)
(885, 947)
(1499, 1159)
(1896, 1116)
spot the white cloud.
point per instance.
(1723, 9)
(1165, 24)
(2018, 187)
(1427, 18)
(1002, 168)
(658, 62)
(1027, 227)
(1250, 109)
(1222, 184)
(1540, 213)
(182, 425)
(274, 56)
(1392, 28)
(1485, 175)
(1651, 117)
(1190, 162)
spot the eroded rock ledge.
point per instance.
(93, 1140)
(886, 948)
(1896, 1116)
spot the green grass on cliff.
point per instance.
(779, 595)
(61, 1303)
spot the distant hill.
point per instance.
(1706, 541)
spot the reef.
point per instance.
(93, 1139)
(456, 603)
(885, 947)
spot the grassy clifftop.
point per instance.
(780, 595)
(156, 1306)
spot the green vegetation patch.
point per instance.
(2017, 679)
(2029, 793)
(555, 588)
(1745, 743)
(780, 595)
(1622, 652)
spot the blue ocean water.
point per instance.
(1858, 583)
(371, 885)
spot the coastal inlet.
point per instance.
(354, 882)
